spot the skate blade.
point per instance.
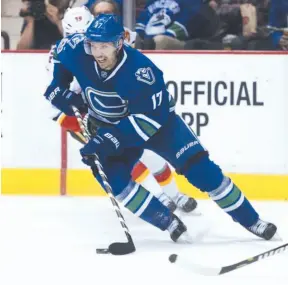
(189, 239)
(186, 238)
(276, 237)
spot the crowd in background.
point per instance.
(217, 24)
(172, 24)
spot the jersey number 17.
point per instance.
(157, 99)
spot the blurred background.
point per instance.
(157, 24)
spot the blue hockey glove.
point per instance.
(64, 101)
(104, 144)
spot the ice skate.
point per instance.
(176, 228)
(166, 201)
(263, 229)
(186, 203)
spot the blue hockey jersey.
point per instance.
(132, 97)
(278, 17)
(168, 17)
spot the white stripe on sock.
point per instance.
(131, 194)
(224, 193)
(236, 205)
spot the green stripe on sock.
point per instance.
(147, 128)
(229, 200)
(179, 31)
(233, 202)
(138, 199)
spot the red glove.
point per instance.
(69, 123)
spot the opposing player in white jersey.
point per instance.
(153, 172)
(75, 20)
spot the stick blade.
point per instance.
(119, 248)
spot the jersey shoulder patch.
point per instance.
(70, 42)
(146, 75)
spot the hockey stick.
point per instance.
(116, 248)
(213, 271)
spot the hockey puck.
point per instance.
(173, 257)
(102, 250)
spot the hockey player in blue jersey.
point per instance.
(126, 94)
(152, 172)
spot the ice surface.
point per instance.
(52, 240)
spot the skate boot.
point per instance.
(166, 201)
(176, 228)
(263, 229)
(186, 203)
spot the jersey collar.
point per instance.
(112, 74)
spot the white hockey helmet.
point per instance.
(76, 20)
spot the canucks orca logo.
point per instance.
(106, 104)
(145, 75)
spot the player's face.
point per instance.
(103, 8)
(105, 54)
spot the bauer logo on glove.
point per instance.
(103, 144)
(113, 139)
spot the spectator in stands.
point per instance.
(246, 22)
(91, 4)
(239, 15)
(278, 18)
(104, 7)
(261, 40)
(239, 24)
(168, 24)
(238, 21)
(42, 23)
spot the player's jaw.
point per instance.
(102, 62)
(105, 55)
(106, 63)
